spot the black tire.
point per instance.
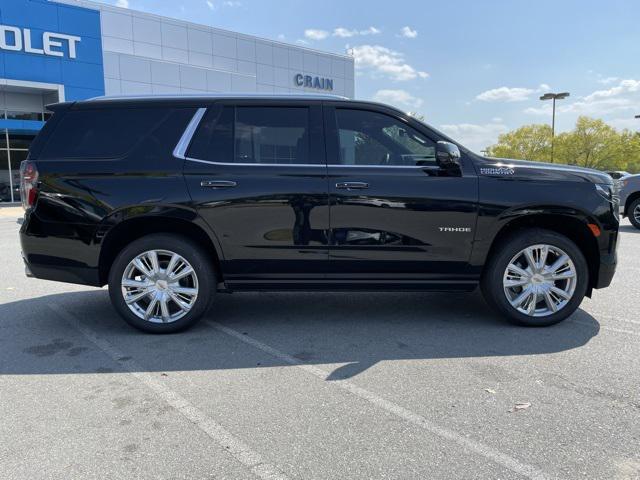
(632, 208)
(203, 267)
(492, 279)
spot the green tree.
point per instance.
(592, 143)
(531, 142)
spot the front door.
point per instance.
(257, 173)
(397, 219)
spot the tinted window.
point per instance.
(213, 140)
(101, 133)
(272, 135)
(371, 138)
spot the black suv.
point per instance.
(169, 200)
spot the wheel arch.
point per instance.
(115, 237)
(630, 199)
(571, 226)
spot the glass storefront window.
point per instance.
(21, 142)
(24, 115)
(17, 156)
(5, 183)
(13, 150)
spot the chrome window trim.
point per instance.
(183, 144)
(322, 165)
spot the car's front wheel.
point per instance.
(634, 213)
(162, 283)
(536, 278)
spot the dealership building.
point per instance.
(64, 50)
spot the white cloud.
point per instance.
(623, 97)
(505, 94)
(232, 3)
(343, 32)
(511, 94)
(625, 86)
(408, 33)
(629, 123)
(122, 3)
(474, 136)
(607, 80)
(210, 5)
(281, 36)
(385, 61)
(398, 98)
(315, 34)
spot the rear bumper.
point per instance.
(63, 254)
(61, 272)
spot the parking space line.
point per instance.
(230, 443)
(481, 449)
(606, 327)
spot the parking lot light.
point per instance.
(554, 97)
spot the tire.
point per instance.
(180, 303)
(498, 288)
(634, 213)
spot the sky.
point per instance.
(473, 68)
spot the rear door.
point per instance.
(396, 217)
(258, 175)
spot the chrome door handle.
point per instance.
(352, 185)
(218, 184)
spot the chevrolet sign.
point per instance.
(16, 39)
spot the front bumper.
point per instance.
(606, 270)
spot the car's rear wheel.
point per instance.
(162, 283)
(634, 213)
(536, 278)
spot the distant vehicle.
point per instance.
(630, 199)
(172, 199)
(617, 174)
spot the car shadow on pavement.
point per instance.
(357, 330)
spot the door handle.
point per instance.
(352, 185)
(218, 184)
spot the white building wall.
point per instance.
(145, 53)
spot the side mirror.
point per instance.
(447, 155)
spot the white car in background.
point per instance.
(630, 198)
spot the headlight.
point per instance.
(609, 192)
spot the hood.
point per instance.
(541, 171)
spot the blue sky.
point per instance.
(473, 68)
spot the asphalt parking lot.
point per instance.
(314, 386)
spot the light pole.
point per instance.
(554, 97)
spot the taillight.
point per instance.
(28, 184)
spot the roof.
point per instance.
(206, 97)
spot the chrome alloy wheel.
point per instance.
(159, 286)
(540, 280)
(636, 213)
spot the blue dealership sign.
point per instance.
(48, 42)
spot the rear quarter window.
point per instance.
(101, 133)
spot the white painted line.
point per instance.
(231, 444)
(605, 327)
(486, 451)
